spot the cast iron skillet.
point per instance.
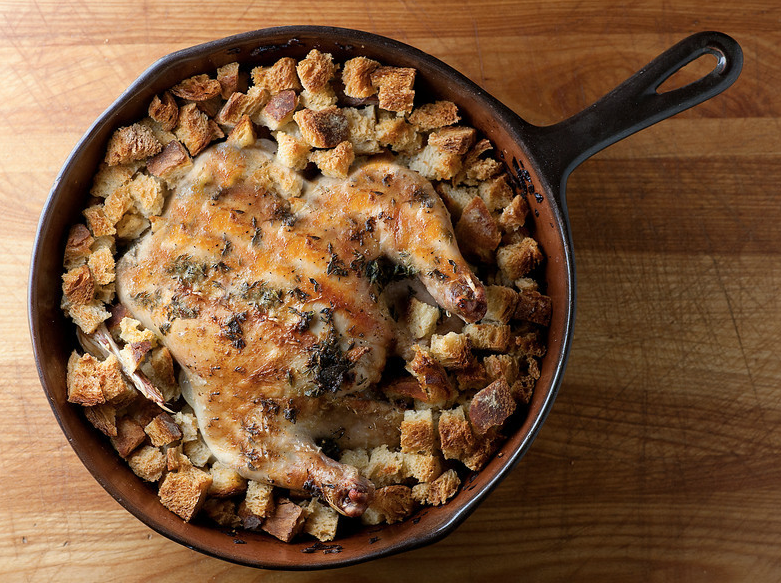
(540, 158)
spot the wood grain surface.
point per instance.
(661, 460)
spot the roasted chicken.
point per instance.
(271, 304)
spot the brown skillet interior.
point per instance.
(53, 336)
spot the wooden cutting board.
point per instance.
(661, 460)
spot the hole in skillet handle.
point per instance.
(634, 105)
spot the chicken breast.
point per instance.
(270, 305)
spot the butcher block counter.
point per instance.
(661, 459)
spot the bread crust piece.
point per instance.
(279, 109)
(315, 70)
(241, 104)
(129, 436)
(418, 432)
(356, 76)
(394, 87)
(78, 246)
(439, 491)
(391, 504)
(322, 521)
(147, 463)
(228, 78)
(322, 129)
(173, 158)
(164, 110)
(431, 116)
(453, 350)
(517, 259)
(226, 481)
(334, 162)
(534, 307)
(183, 491)
(454, 140)
(197, 88)
(491, 406)
(130, 143)
(278, 77)
(285, 521)
(431, 376)
(514, 215)
(163, 430)
(194, 129)
(78, 285)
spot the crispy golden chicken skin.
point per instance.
(271, 306)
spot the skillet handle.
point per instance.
(635, 105)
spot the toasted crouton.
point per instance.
(110, 178)
(148, 194)
(188, 424)
(431, 116)
(292, 151)
(514, 215)
(228, 78)
(197, 451)
(436, 164)
(87, 316)
(78, 285)
(163, 430)
(129, 436)
(391, 504)
(491, 406)
(361, 129)
(91, 381)
(172, 159)
(394, 87)
(316, 70)
(385, 466)
(98, 222)
(243, 133)
(334, 162)
(421, 318)
(321, 521)
(164, 111)
(501, 366)
(455, 434)
(456, 198)
(397, 134)
(131, 226)
(453, 350)
(518, 259)
(477, 232)
(279, 109)
(147, 463)
(431, 376)
(438, 491)
(501, 304)
(259, 498)
(103, 418)
(78, 246)
(222, 512)
(278, 77)
(241, 104)
(495, 337)
(418, 432)
(534, 307)
(471, 377)
(183, 492)
(101, 264)
(130, 143)
(226, 481)
(358, 458)
(496, 193)
(194, 129)
(422, 467)
(356, 76)
(83, 385)
(285, 521)
(322, 129)
(131, 331)
(197, 88)
(453, 140)
(117, 204)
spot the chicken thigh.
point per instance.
(268, 303)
